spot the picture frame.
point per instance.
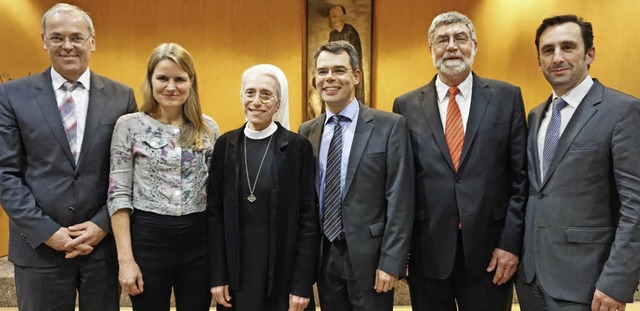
(331, 20)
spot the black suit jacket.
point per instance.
(42, 187)
(293, 217)
(487, 194)
(582, 228)
(377, 206)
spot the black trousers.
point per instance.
(339, 290)
(171, 252)
(54, 288)
(470, 294)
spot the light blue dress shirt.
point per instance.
(348, 130)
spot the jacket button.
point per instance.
(458, 179)
(540, 195)
(71, 209)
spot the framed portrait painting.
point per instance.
(332, 20)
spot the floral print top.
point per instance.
(151, 172)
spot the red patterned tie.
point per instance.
(454, 131)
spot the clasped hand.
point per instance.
(76, 240)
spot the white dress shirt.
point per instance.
(573, 99)
(80, 97)
(463, 98)
(348, 131)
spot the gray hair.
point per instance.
(282, 115)
(449, 18)
(67, 8)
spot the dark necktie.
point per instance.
(332, 223)
(553, 135)
(454, 130)
(67, 109)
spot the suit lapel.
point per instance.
(315, 133)
(46, 102)
(587, 108)
(97, 103)
(235, 149)
(315, 137)
(364, 127)
(479, 101)
(533, 154)
(429, 105)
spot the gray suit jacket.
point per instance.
(582, 228)
(41, 187)
(488, 192)
(378, 203)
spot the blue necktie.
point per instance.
(553, 135)
(332, 220)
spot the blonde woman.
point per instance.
(157, 188)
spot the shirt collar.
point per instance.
(576, 94)
(464, 87)
(351, 111)
(57, 79)
(256, 135)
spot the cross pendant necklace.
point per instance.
(251, 198)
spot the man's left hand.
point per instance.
(87, 233)
(297, 303)
(384, 281)
(603, 302)
(505, 264)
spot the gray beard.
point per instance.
(451, 67)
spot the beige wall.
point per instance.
(226, 37)
(506, 33)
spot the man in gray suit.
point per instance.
(55, 134)
(582, 226)
(469, 144)
(365, 187)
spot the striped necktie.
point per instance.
(332, 220)
(454, 130)
(67, 109)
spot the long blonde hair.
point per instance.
(193, 127)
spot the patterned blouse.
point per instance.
(150, 172)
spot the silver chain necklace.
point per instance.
(251, 198)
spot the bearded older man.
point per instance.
(469, 144)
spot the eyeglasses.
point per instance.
(75, 40)
(265, 96)
(458, 39)
(337, 71)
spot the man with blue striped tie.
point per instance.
(365, 189)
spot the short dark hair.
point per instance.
(585, 28)
(337, 47)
